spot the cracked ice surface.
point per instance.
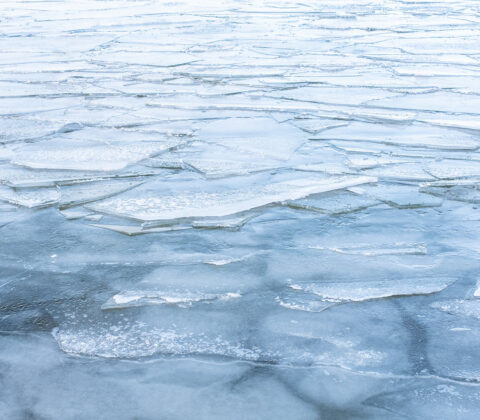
(238, 209)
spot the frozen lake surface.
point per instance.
(240, 209)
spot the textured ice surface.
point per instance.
(239, 210)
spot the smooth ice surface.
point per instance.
(228, 209)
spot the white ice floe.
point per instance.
(216, 199)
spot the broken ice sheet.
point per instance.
(357, 291)
(214, 161)
(230, 223)
(400, 172)
(429, 398)
(31, 198)
(338, 336)
(372, 161)
(398, 195)
(261, 136)
(156, 201)
(85, 155)
(334, 95)
(315, 125)
(230, 280)
(75, 213)
(170, 311)
(405, 135)
(91, 191)
(335, 202)
(453, 331)
(370, 250)
(451, 169)
(442, 101)
(468, 308)
(133, 230)
(143, 58)
(298, 301)
(136, 339)
(18, 177)
(8, 214)
(458, 190)
(182, 299)
(13, 129)
(215, 168)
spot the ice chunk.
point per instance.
(216, 199)
(231, 223)
(402, 171)
(369, 161)
(334, 95)
(298, 301)
(86, 155)
(20, 129)
(468, 308)
(335, 202)
(132, 230)
(215, 168)
(451, 169)
(145, 58)
(136, 340)
(443, 101)
(369, 250)
(458, 190)
(182, 299)
(428, 399)
(22, 177)
(75, 213)
(214, 161)
(477, 290)
(403, 135)
(92, 191)
(261, 136)
(400, 196)
(31, 198)
(356, 291)
(315, 125)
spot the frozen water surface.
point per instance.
(242, 210)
